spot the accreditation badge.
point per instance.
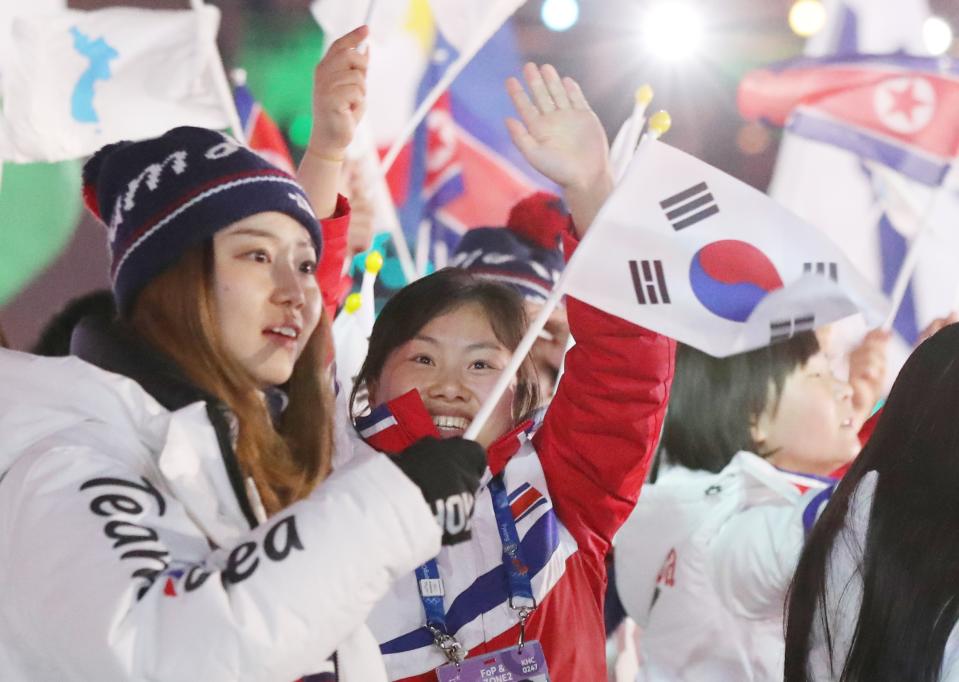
(505, 665)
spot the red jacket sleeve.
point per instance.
(603, 425)
(329, 271)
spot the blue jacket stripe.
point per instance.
(488, 590)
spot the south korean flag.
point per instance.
(688, 251)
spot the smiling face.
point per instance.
(811, 429)
(267, 300)
(453, 361)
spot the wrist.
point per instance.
(599, 185)
(335, 155)
(584, 199)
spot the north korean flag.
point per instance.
(897, 110)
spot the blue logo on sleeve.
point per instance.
(99, 53)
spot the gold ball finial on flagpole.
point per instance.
(374, 262)
(659, 123)
(352, 303)
(644, 94)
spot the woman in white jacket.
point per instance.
(704, 562)
(161, 513)
(876, 593)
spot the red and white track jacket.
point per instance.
(571, 486)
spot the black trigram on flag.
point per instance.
(780, 330)
(830, 270)
(689, 206)
(649, 282)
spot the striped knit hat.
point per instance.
(525, 254)
(161, 196)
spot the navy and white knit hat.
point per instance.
(525, 254)
(161, 196)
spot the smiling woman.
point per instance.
(450, 335)
(181, 469)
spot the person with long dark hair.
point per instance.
(875, 596)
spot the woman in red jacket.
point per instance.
(525, 592)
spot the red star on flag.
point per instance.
(905, 101)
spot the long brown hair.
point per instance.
(416, 304)
(3, 340)
(176, 314)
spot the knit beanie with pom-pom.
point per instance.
(161, 196)
(526, 253)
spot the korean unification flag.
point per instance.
(74, 81)
(692, 253)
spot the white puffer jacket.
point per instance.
(109, 507)
(703, 566)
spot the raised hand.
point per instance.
(339, 96)
(867, 371)
(339, 99)
(562, 138)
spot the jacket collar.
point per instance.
(397, 424)
(115, 347)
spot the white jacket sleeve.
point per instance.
(754, 557)
(104, 575)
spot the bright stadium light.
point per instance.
(559, 15)
(937, 35)
(807, 17)
(673, 30)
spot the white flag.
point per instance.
(460, 21)
(407, 37)
(871, 211)
(688, 251)
(74, 80)
(11, 8)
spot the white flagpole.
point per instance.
(365, 149)
(628, 138)
(909, 263)
(454, 70)
(539, 322)
(220, 80)
(522, 350)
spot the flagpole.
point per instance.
(909, 263)
(632, 129)
(444, 83)
(542, 317)
(522, 350)
(220, 81)
(382, 199)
